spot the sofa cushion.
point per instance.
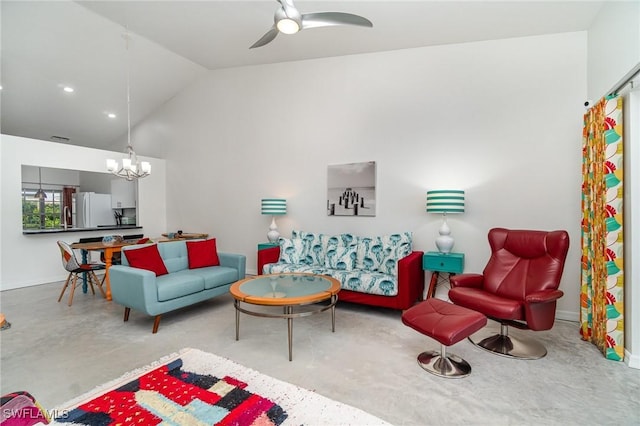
(278, 268)
(366, 282)
(343, 258)
(396, 246)
(147, 257)
(355, 280)
(216, 276)
(342, 240)
(178, 284)
(202, 253)
(291, 250)
(316, 246)
(174, 254)
(313, 252)
(370, 253)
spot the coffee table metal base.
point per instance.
(289, 314)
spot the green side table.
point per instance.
(262, 246)
(449, 263)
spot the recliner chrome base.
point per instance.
(501, 343)
(444, 365)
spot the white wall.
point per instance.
(613, 46)
(51, 178)
(500, 119)
(35, 259)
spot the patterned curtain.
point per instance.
(602, 286)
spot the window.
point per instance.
(41, 213)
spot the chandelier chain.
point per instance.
(131, 168)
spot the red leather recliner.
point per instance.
(518, 287)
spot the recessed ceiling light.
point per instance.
(68, 89)
(111, 115)
(0, 87)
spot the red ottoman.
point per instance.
(448, 324)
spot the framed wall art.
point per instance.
(351, 189)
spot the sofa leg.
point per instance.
(156, 324)
(126, 314)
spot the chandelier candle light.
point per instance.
(131, 167)
(274, 206)
(445, 201)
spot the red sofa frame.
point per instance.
(410, 282)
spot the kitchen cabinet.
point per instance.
(123, 194)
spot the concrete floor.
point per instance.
(58, 352)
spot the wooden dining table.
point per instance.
(109, 249)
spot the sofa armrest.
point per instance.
(410, 278)
(268, 255)
(466, 280)
(235, 261)
(133, 287)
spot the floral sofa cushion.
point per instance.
(316, 246)
(363, 264)
(342, 258)
(290, 250)
(383, 252)
(396, 246)
(355, 280)
(313, 251)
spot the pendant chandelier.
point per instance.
(40, 192)
(131, 168)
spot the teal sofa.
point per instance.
(141, 290)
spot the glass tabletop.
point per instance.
(286, 285)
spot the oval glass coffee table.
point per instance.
(299, 295)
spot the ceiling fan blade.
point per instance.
(289, 9)
(267, 38)
(326, 19)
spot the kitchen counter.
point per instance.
(62, 230)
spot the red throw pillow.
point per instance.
(202, 253)
(148, 258)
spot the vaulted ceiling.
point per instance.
(47, 45)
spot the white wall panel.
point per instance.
(613, 46)
(35, 259)
(500, 119)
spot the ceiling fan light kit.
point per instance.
(288, 20)
(288, 26)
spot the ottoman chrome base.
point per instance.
(448, 324)
(501, 343)
(444, 365)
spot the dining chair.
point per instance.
(71, 264)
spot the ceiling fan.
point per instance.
(289, 20)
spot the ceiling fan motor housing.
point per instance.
(288, 23)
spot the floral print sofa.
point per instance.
(378, 271)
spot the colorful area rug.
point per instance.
(199, 388)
